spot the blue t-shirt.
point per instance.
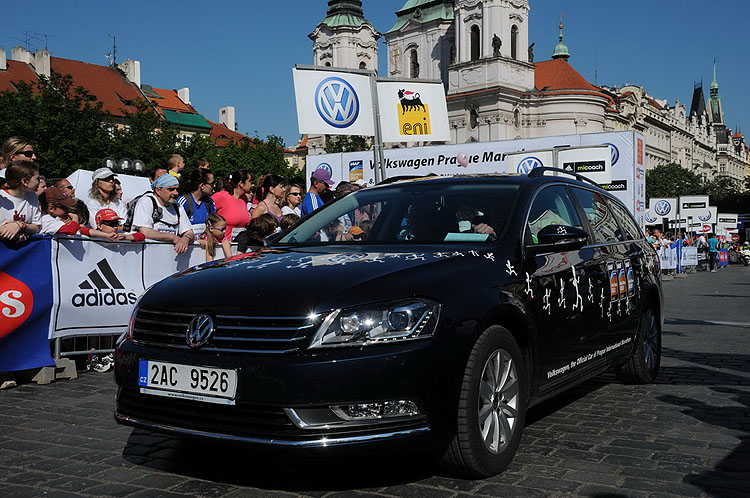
(713, 244)
(200, 211)
(310, 203)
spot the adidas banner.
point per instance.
(25, 304)
(97, 283)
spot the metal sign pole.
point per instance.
(377, 145)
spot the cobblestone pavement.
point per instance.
(686, 435)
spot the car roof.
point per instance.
(501, 178)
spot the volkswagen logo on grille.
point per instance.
(528, 164)
(337, 102)
(662, 208)
(199, 331)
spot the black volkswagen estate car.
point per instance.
(430, 312)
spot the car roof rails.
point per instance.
(402, 178)
(537, 172)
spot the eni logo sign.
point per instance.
(337, 102)
(413, 114)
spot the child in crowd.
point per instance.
(288, 220)
(20, 215)
(252, 239)
(216, 227)
(56, 220)
(108, 222)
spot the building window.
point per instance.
(328, 64)
(475, 43)
(517, 118)
(473, 119)
(413, 64)
(363, 65)
(514, 42)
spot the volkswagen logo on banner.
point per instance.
(528, 163)
(615, 153)
(650, 218)
(326, 167)
(337, 102)
(705, 217)
(663, 208)
(199, 331)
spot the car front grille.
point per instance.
(244, 334)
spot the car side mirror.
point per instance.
(555, 238)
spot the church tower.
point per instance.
(345, 38)
(492, 39)
(716, 113)
(422, 42)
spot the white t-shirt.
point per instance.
(24, 209)
(50, 224)
(95, 206)
(287, 210)
(168, 222)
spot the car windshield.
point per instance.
(423, 212)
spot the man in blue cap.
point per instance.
(158, 216)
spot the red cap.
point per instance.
(106, 215)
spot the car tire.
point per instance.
(643, 366)
(491, 409)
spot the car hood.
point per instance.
(302, 281)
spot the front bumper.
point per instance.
(267, 385)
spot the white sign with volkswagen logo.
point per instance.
(663, 207)
(523, 162)
(333, 103)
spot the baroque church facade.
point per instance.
(495, 90)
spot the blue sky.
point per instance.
(241, 53)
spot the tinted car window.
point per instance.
(603, 223)
(424, 212)
(551, 206)
(632, 232)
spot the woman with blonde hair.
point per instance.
(16, 148)
(103, 194)
(290, 203)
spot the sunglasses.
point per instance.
(218, 229)
(295, 193)
(69, 187)
(110, 179)
(27, 153)
(110, 223)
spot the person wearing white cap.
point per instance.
(103, 194)
(158, 216)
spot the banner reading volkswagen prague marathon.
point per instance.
(413, 112)
(333, 103)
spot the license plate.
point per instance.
(211, 385)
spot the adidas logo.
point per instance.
(101, 289)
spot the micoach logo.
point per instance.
(413, 114)
(102, 288)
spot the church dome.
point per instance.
(561, 52)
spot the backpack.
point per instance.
(155, 214)
(190, 204)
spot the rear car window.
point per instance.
(551, 206)
(601, 218)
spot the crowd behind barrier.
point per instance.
(64, 287)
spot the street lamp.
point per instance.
(125, 165)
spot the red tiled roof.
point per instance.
(171, 101)
(737, 134)
(16, 72)
(107, 84)
(655, 103)
(557, 77)
(221, 135)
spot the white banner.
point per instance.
(333, 103)
(411, 112)
(668, 258)
(693, 206)
(96, 283)
(662, 207)
(626, 150)
(689, 256)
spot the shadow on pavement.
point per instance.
(731, 476)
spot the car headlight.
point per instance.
(376, 323)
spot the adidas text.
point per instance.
(103, 298)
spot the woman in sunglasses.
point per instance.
(16, 148)
(103, 195)
(291, 200)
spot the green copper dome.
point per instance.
(345, 13)
(561, 50)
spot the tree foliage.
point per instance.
(70, 131)
(346, 143)
(672, 180)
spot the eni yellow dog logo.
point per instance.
(414, 115)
